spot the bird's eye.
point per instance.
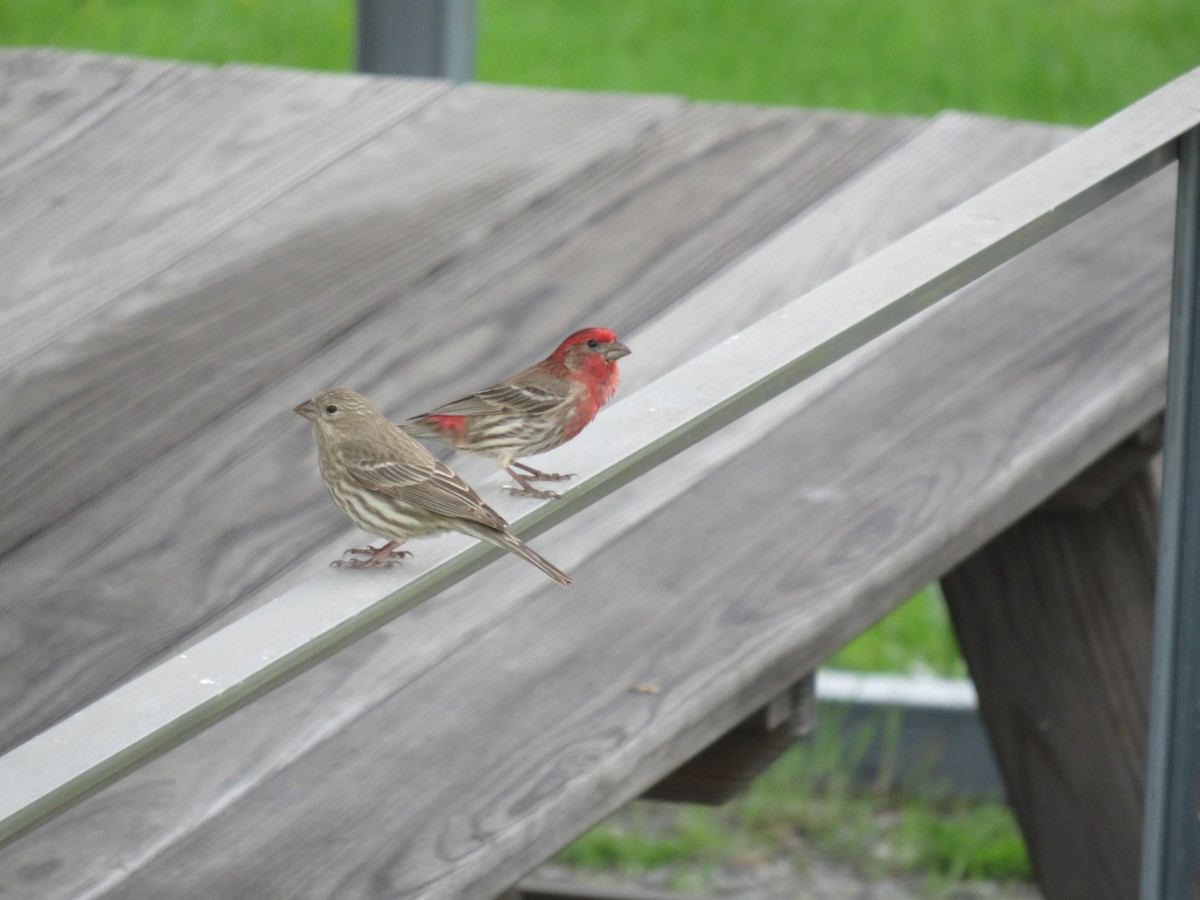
(331, 409)
(593, 343)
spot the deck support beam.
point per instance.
(1055, 619)
(725, 768)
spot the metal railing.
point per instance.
(276, 642)
(1171, 826)
(435, 38)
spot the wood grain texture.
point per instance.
(48, 99)
(950, 464)
(166, 172)
(363, 244)
(176, 794)
(191, 785)
(873, 489)
(254, 506)
(238, 315)
(200, 788)
(1055, 618)
(953, 157)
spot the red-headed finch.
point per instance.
(388, 484)
(536, 410)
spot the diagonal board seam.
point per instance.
(433, 92)
(170, 73)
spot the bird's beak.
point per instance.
(307, 410)
(615, 351)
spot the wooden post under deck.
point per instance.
(1055, 618)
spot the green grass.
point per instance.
(1068, 61)
(311, 34)
(914, 640)
(1071, 61)
(805, 805)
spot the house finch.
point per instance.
(388, 484)
(536, 410)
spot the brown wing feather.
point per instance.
(423, 480)
(526, 394)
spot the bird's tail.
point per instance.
(514, 545)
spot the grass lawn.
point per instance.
(1072, 61)
(800, 808)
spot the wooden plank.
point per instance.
(946, 162)
(346, 245)
(254, 466)
(1093, 488)
(726, 767)
(847, 536)
(864, 509)
(48, 99)
(544, 889)
(1055, 618)
(966, 152)
(164, 173)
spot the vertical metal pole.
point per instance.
(417, 37)
(1171, 843)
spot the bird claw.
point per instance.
(531, 492)
(528, 490)
(539, 475)
(384, 557)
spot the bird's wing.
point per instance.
(524, 397)
(428, 483)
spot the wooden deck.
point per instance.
(190, 251)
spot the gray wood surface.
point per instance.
(1055, 618)
(405, 766)
(863, 523)
(198, 781)
(166, 172)
(49, 99)
(178, 503)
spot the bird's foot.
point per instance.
(538, 475)
(375, 557)
(528, 491)
(525, 489)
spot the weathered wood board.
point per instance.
(855, 523)
(246, 503)
(1055, 618)
(449, 753)
(165, 172)
(49, 99)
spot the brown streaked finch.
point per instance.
(388, 484)
(535, 410)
